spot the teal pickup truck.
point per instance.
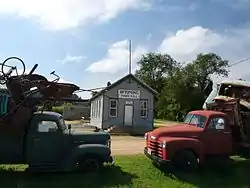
(48, 144)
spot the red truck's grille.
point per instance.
(156, 148)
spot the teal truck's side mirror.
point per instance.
(69, 127)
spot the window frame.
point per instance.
(92, 110)
(112, 108)
(212, 119)
(99, 108)
(38, 126)
(144, 108)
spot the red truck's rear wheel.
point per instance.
(185, 160)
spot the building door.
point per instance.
(128, 115)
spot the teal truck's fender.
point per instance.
(80, 151)
(175, 144)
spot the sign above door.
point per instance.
(128, 94)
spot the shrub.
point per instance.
(58, 109)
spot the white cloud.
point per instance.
(117, 58)
(231, 44)
(185, 44)
(68, 59)
(64, 14)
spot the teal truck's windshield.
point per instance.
(197, 120)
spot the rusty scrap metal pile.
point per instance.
(24, 92)
(234, 100)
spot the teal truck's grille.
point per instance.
(156, 148)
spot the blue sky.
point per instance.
(86, 41)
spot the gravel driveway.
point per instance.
(127, 145)
(120, 145)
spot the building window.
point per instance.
(113, 108)
(97, 109)
(91, 109)
(144, 109)
(99, 106)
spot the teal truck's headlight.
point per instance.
(108, 143)
(145, 136)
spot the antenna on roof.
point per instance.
(130, 55)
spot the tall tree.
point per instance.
(204, 66)
(183, 91)
(154, 67)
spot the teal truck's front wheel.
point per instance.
(90, 163)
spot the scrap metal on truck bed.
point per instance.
(42, 139)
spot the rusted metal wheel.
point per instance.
(4, 64)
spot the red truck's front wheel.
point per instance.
(185, 160)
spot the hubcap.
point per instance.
(90, 165)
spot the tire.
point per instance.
(90, 164)
(185, 160)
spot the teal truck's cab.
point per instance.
(49, 144)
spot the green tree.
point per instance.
(183, 90)
(154, 68)
(204, 66)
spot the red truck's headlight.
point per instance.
(164, 144)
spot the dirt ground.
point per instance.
(127, 145)
(120, 145)
(123, 145)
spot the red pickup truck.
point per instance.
(203, 134)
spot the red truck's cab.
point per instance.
(203, 133)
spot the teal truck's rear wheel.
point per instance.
(185, 160)
(90, 163)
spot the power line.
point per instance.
(239, 62)
(93, 89)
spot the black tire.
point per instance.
(185, 160)
(90, 164)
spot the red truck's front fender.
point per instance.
(175, 144)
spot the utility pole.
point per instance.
(130, 56)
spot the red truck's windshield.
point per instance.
(195, 119)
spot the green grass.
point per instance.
(160, 123)
(131, 172)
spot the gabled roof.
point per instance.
(121, 80)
